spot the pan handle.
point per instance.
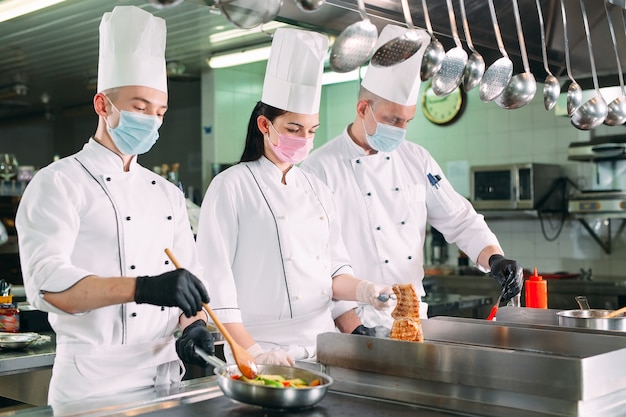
(213, 360)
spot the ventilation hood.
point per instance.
(598, 149)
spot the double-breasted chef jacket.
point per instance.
(272, 250)
(385, 201)
(84, 215)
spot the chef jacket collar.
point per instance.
(355, 151)
(108, 161)
(273, 171)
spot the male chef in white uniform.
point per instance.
(387, 190)
(93, 227)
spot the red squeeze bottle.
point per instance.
(536, 291)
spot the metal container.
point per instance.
(17, 340)
(591, 319)
(270, 397)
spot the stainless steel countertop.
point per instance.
(34, 357)
(203, 397)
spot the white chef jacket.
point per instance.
(272, 250)
(83, 215)
(385, 201)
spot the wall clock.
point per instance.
(445, 109)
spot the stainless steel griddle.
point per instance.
(485, 368)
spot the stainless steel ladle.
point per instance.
(498, 75)
(617, 108)
(593, 112)
(434, 52)
(475, 67)
(449, 76)
(355, 44)
(401, 48)
(574, 92)
(309, 5)
(522, 87)
(551, 85)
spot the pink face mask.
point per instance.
(291, 149)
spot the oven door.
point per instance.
(494, 188)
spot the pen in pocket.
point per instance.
(433, 179)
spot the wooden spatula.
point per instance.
(243, 358)
(614, 313)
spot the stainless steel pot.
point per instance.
(270, 397)
(591, 319)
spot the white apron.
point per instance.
(85, 371)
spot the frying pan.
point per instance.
(591, 319)
(270, 397)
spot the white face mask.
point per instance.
(386, 138)
(135, 133)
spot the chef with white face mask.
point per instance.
(388, 189)
(93, 227)
(268, 233)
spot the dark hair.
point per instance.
(253, 149)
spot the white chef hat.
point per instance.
(293, 78)
(132, 49)
(399, 83)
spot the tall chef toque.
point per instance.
(132, 49)
(399, 83)
(293, 78)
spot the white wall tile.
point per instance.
(484, 135)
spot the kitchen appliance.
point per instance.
(516, 186)
(604, 203)
(487, 368)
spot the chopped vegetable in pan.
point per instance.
(277, 381)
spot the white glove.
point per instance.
(273, 357)
(367, 292)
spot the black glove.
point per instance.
(377, 331)
(179, 288)
(508, 273)
(196, 334)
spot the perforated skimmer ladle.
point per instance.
(450, 74)
(401, 48)
(551, 85)
(434, 52)
(498, 75)
(574, 92)
(354, 45)
(617, 107)
(522, 87)
(475, 67)
(592, 113)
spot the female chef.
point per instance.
(268, 233)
